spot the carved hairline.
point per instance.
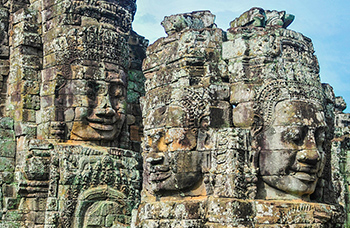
(277, 91)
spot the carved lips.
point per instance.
(102, 124)
(104, 119)
(159, 173)
(305, 176)
(306, 172)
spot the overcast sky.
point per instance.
(326, 22)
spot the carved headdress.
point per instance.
(276, 91)
(195, 103)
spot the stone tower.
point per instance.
(71, 127)
(237, 127)
(207, 128)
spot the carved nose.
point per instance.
(310, 140)
(109, 111)
(106, 112)
(104, 102)
(308, 156)
(107, 103)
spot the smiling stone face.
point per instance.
(171, 160)
(104, 115)
(291, 156)
(169, 163)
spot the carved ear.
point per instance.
(255, 131)
(204, 122)
(257, 125)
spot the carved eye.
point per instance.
(158, 136)
(295, 135)
(117, 90)
(91, 94)
(320, 137)
(92, 90)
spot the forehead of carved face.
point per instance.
(169, 128)
(102, 113)
(291, 155)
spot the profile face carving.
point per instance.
(104, 115)
(171, 162)
(291, 149)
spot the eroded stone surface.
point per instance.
(71, 79)
(236, 128)
(248, 121)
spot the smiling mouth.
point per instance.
(305, 172)
(310, 177)
(159, 176)
(102, 124)
(159, 173)
(102, 127)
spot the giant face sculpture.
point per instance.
(168, 169)
(291, 149)
(292, 154)
(90, 93)
(104, 115)
(171, 162)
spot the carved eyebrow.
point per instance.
(117, 82)
(323, 127)
(324, 124)
(93, 85)
(303, 126)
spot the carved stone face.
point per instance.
(104, 115)
(169, 160)
(291, 156)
